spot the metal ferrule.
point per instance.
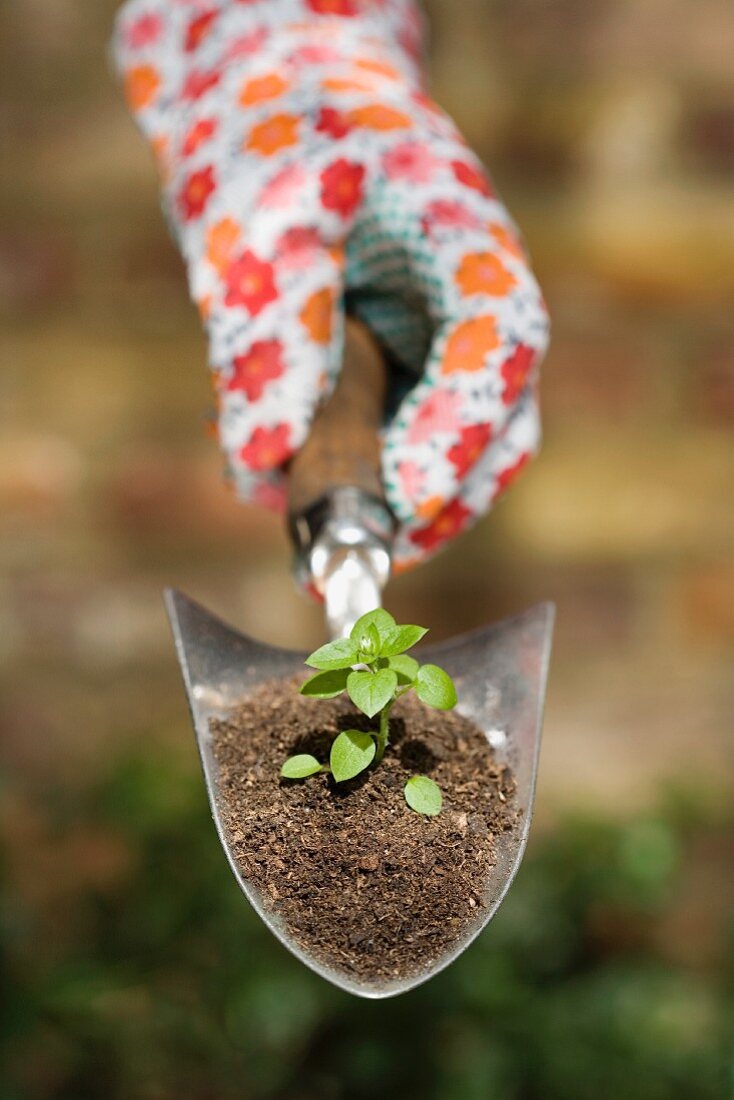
(343, 548)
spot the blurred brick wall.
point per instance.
(609, 129)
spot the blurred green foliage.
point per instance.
(155, 980)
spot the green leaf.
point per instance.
(300, 767)
(379, 618)
(339, 654)
(351, 753)
(405, 666)
(326, 685)
(435, 687)
(400, 639)
(423, 795)
(370, 691)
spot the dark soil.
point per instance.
(361, 881)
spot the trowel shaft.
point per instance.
(339, 522)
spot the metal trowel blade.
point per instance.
(500, 673)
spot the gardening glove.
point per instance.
(305, 169)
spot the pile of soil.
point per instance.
(361, 881)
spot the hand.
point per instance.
(304, 167)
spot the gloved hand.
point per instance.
(304, 167)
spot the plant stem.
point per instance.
(382, 737)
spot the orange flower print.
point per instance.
(484, 273)
(250, 282)
(342, 185)
(221, 241)
(262, 364)
(316, 315)
(198, 29)
(379, 117)
(449, 523)
(195, 193)
(507, 240)
(161, 151)
(515, 371)
(261, 88)
(347, 84)
(275, 133)
(141, 86)
(430, 508)
(469, 343)
(471, 446)
(267, 447)
(378, 67)
(204, 306)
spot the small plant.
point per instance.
(375, 670)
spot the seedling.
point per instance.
(374, 669)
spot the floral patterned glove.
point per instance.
(305, 169)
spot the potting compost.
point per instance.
(360, 880)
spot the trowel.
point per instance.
(342, 531)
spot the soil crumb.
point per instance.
(361, 881)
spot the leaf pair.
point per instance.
(351, 752)
(373, 636)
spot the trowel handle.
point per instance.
(340, 524)
(343, 448)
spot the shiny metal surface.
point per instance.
(500, 673)
(343, 545)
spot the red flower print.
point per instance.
(409, 161)
(470, 448)
(247, 44)
(297, 248)
(195, 193)
(314, 55)
(272, 497)
(471, 177)
(412, 479)
(198, 83)
(515, 371)
(342, 187)
(267, 447)
(200, 132)
(449, 213)
(198, 29)
(506, 478)
(250, 282)
(333, 7)
(438, 413)
(143, 31)
(333, 123)
(283, 188)
(449, 522)
(252, 372)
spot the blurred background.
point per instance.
(132, 967)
